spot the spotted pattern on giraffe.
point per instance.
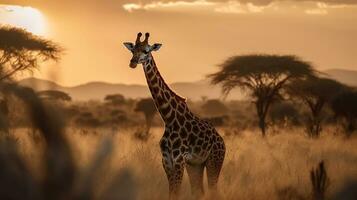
(188, 141)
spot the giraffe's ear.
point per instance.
(155, 47)
(129, 45)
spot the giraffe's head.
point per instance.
(141, 50)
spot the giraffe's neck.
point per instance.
(169, 104)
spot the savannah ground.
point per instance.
(275, 167)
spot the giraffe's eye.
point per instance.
(145, 51)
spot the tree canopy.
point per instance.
(315, 93)
(147, 107)
(21, 50)
(259, 71)
(316, 90)
(263, 76)
(115, 99)
(344, 106)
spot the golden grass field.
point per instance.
(275, 167)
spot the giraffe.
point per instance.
(188, 141)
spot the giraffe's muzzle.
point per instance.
(133, 64)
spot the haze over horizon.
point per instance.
(196, 35)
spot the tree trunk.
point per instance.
(261, 112)
(314, 126)
(149, 119)
(262, 125)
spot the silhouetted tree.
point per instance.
(264, 76)
(214, 107)
(315, 93)
(344, 106)
(147, 107)
(115, 99)
(54, 95)
(22, 51)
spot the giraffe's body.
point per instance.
(187, 140)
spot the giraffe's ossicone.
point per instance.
(188, 142)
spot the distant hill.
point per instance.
(98, 90)
(348, 77)
(40, 84)
(190, 90)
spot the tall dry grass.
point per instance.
(277, 167)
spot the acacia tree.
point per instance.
(263, 76)
(315, 93)
(147, 107)
(115, 99)
(22, 51)
(344, 106)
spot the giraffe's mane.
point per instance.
(181, 98)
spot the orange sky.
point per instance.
(196, 35)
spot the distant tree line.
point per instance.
(22, 51)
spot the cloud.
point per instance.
(322, 8)
(168, 5)
(309, 7)
(237, 7)
(132, 6)
(334, 2)
(221, 7)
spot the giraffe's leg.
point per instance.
(214, 165)
(174, 176)
(195, 174)
(173, 166)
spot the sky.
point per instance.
(197, 35)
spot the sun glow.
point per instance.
(28, 18)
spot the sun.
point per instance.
(28, 18)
